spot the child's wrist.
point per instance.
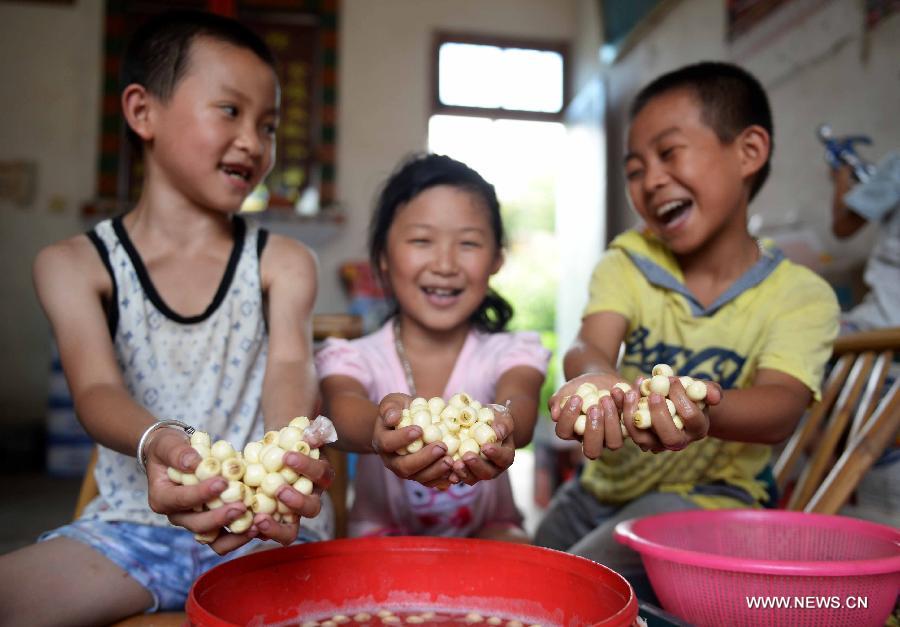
(146, 437)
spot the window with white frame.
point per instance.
(499, 78)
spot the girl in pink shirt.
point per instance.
(435, 240)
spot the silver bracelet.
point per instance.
(141, 462)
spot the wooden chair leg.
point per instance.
(88, 487)
(338, 489)
(874, 387)
(809, 428)
(824, 454)
(859, 455)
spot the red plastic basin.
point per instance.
(416, 573)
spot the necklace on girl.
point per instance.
(404, 360)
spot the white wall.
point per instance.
(50, 101)
(50, 97)
(817, 62)
(581, 196)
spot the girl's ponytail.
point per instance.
(493, 314)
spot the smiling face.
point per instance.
(687, 185)
(440, 253)
(213, 140)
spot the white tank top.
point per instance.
(206, 370)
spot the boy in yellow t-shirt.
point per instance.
(692, 289)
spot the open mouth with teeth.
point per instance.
(671, 211)
(238, 172)
(441, 294)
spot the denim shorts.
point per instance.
(164, 560)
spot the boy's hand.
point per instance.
(167, 448)
(473, 468)
(320, 472)
(602, 428)
(663, 435)
(180, 502)
(430, 466)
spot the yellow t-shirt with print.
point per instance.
(779, 315)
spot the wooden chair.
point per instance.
(348, 327)
(845, 432)
(324, 325)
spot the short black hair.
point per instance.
(731, 99)
(416, 174)
(158, 53)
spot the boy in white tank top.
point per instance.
(178, 310)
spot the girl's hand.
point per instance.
(473, 468)
(663, 435)
(430, 466)
(167, 448)
(565, 414)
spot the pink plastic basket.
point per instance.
(768, 567)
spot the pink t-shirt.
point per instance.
(386, 504)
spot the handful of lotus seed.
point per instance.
(462, 423)
(658, 383)
(255, 474)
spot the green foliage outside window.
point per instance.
(529, 276)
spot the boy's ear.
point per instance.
(754, 145)
(136, 105)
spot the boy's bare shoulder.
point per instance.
(286, 257)
(70, 260)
